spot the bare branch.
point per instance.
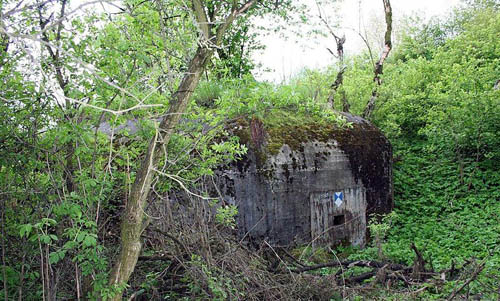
(61, 19)
(115, 112)
(363, 38)
(351, 263)
(16, 9)
(370, 106)
(476, 273)
(324, 21)
(54, 55)
(181, 183)
(90, 68)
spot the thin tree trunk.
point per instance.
(334, 87)
(133, 217)
(21, 278)
(339, 80)
(69, 169)
(346, 107)
(378, 70)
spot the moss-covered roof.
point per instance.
(363, 143)
(270, 133)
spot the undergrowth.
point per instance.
(276, 104)
(451, 211)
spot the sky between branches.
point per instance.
(286, 57)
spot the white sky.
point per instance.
(289, 56)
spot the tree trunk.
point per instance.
(133, 217)
(378, 70)
(133, 222)
(333, 90)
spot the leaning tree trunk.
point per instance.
(133, 222)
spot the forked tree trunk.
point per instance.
(133, 222)
(339, 80)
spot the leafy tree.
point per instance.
(213, 25)
(235, 50)
(449, 97)
(92, 69)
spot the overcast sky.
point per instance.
(287, 57)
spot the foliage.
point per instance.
(275, 103)
(449, 99)
(379, 226)
(234, 56)
(451, 221)
(439, 107)
(226, 215)
(64, 183)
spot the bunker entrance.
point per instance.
(338, 216)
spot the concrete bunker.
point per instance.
(309, 183)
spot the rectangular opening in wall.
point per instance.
(339, 220)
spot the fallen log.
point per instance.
(360, 278)
(353, 263)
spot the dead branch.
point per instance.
(352, 263)
(360, 278)
(476, 273)
(378, 70)
(418, 265)
(339, 41)
(155, 258)
(173, 238)
(295, 260)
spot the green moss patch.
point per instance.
(281, 127)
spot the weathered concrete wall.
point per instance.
(305, 182)
(287, 194)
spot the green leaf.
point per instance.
(89, 241)
(81, 236)
(70, 245)
(45, 239)
(25, 230)
(57, 256)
